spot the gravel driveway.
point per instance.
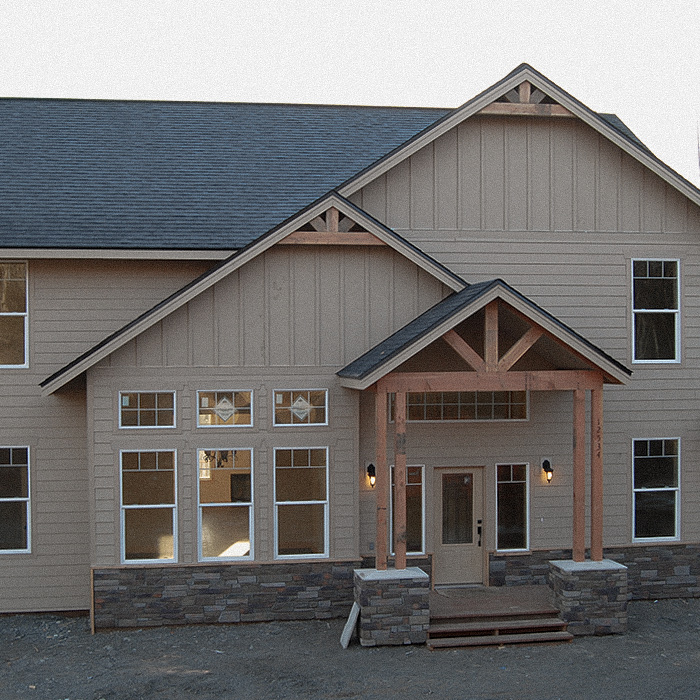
(49, 657)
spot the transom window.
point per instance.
(148, 506)
(301, 501)
(301, 407)
(14, 500)
(147, 409)
(655, 301)
(13, 314)
(464, 405)
(224, 408)
(512, 506)
(655, 488)
(225, 504)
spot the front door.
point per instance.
(458, 527)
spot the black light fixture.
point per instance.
(548, 470)
(371, 474)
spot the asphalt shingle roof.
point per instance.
(178, 175)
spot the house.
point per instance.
(247, 350)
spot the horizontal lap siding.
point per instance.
(72, 306)
(558, 212)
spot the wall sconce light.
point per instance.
(548, 470)
(372, 474)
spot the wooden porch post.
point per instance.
(597, 474)
(400, 480)
(382, 484)
(579, 514)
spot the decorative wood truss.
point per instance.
(525, 100)
(492, 372)
(331, 228)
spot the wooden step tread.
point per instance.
(499, 639)
(461, 627)
(490, 615)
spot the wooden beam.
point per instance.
(464, 350)
(520, 348)
(400, 480)
(524, 90)
(579, 479)
(554, 380)
(382, 484)
(597, 475)
(332, 216)
(525, 110)
(329, 238)
(491, 336)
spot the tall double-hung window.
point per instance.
(13, 314)
(14, 500)
(655, 310)
(656, 488)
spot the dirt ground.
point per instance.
(50, 657)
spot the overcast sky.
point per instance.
(639, 59)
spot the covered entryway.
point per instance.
(486, 338)
(458, 552)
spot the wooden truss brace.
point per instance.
(331, 228)
(526, 100)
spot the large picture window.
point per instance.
(301, 501)
(148, 491)
(655, 488)
(13, 314)
(415, 509)
(512, 506)
(655, 302)
(301, 407)
(14, 500)
(225, 504)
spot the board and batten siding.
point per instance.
(288, 319)
(72, 305)
(558, 212)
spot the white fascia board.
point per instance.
(113, 254)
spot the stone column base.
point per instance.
(394, 606)
(592, 595)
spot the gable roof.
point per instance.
(110, 175)
(436, 321)
(608, 125)
(235, 261)
(177, 175)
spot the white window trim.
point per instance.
(251, 520)
(24, 314)
(147, 427)
(298, 425)
(391, 510)
(676, 312)
(326, 519)
(123, 508)
(677, 524)
(527, 506)
(231, 391)
(27, 501)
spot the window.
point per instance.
(301, 407)
(148, 506)
(13, 314)
(655, 310)
(301, 501)
(14, 500)
(655, 488)
(415, 510)
(464, 405)
(224, 408)
(147, 409)
(225, 504)
(512, 506)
